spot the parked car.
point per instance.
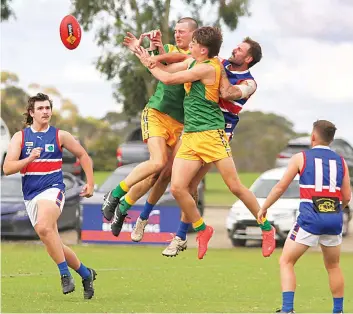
(133, 150)
(300, 144)
(242, 225)
(5, 140)
(14, 218)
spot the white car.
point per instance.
(5, 140)
(242, 225)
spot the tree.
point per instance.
(259, 137)
(8, 78)
(134, 85)
(6, 10)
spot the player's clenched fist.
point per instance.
(35, 153)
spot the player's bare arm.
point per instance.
(71, 144)
(202, 72)
(171, 57)
(12, 164)
(150, 63)
(234, 92)
(294, 166)
(346, 191)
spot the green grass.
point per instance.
(100, 176)
(139, 279)
(217, 193)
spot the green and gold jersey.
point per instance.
(169, 98)
(202, 112)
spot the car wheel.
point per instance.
(345, 227)
(238, 242)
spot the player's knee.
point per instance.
(332, 265)
(237, 189)
(43, 230)
(158, 164)
(176, 191)
(285, 261)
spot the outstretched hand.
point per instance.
(131, 42)
(261, 215)
(145, 58)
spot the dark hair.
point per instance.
(325, 129)
(192, 23)
(210, 37)
(255, 51)
(30, 106)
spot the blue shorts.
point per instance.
(231, 122)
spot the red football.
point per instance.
(70, 32)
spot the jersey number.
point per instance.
(319, 175)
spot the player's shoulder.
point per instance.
(298, 157)
(63, 133)
(18, 134)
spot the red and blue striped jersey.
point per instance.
(44, 172)
(320, 191)
(234, 106)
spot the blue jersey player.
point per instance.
(36, 152)
(324, 191)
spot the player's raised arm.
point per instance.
(12, 164)
(234, 92)
(72, 145)
(171, 57)
(150, 63)
(199, 72)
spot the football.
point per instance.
(70, 32)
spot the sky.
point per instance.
(306, 72)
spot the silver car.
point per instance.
(242, 225)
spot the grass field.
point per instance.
(217, 192)
(139, 279)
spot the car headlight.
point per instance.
(21, 213)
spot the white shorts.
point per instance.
(299, 235)
(54, 194)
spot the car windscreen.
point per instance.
(262, 188)
(11, 187)
(111, 182)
